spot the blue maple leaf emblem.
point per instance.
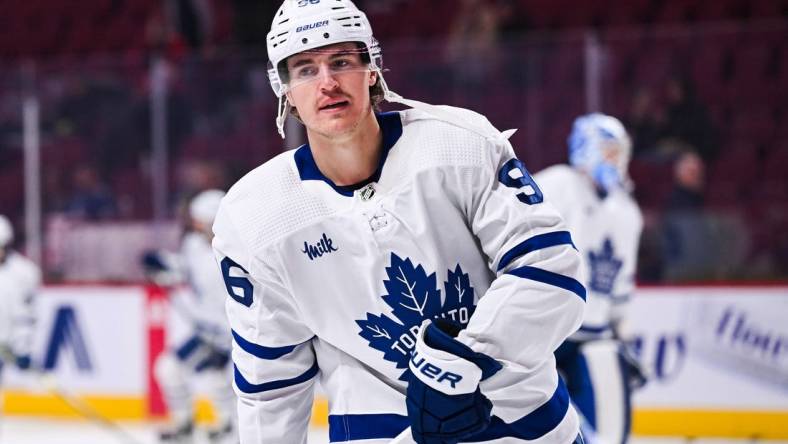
(604, 268)
(413, 297)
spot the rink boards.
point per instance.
(718, 357)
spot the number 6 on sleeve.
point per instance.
(237, 282)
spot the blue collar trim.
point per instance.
(391, 125)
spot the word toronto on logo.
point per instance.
(323, 246)
(413, 297)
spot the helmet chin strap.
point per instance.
(283, 109)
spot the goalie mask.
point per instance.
(600, 146)
(308, 25)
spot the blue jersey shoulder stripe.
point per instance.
(537, 242)
(550, 278)
(247, 387)
(261, 351)
(343, 428)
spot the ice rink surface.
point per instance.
(39, 431)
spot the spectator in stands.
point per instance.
(248, 16)
(474, 49)
(689, 181)
(180, 116)
(688, 120)
(688, 241)
(90, 198)
(162, 39)
(193, 20)
(644, 123)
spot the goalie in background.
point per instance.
(20, 278)
(592, 193)
(205, 353)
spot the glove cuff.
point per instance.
(446, 365)
(440, 334)
(443, 371)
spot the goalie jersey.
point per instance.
(607, 232)
(331, 283)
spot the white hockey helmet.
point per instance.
(204, 206)
(6, 232)
(599, 145)
(301, 25)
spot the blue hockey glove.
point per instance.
(153, 261)
(161, 268)
(444, 402)
(216, 359)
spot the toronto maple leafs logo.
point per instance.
(604, 268)
(413, 297)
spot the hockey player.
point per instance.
(205, 354)
(20, 278)
(593, 197)
(406, 259)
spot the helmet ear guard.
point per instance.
(274, 79)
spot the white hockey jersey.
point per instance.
(198, 265)
(607, 233)
(333, 282)
(19, 280)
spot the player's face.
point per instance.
(330, 88)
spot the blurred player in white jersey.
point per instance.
(405, 259)
(205, 354)
(592, 194)
(20, 279)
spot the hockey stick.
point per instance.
(79, 406)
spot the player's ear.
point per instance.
(289, 98)
(373, 77)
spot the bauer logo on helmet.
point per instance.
(312, 26)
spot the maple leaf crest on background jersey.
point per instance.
(414, 296)
(605, 266)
